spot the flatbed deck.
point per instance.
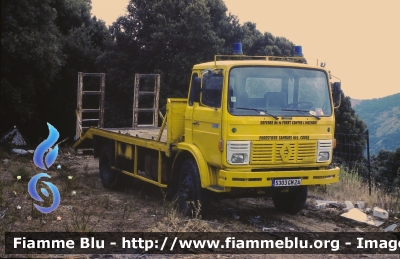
(142, 132)
(144, 136)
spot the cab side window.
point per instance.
(211, 91)
(195, 89)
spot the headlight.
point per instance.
(324, 150)
(237, 158)
(238, 152)
(323, 156)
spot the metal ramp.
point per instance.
(82, 124)
(139, 93)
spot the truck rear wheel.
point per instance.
(292, 201)
(191, 197)
(109, 177)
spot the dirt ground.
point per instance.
(140, 207)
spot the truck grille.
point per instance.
(263, 152)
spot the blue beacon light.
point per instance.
(298, 51)
(237, 48)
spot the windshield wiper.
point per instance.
(262, 112)
(302, 111)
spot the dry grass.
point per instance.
(351, 187)
(173, 222)
(87, 206)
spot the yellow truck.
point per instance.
(251, 126)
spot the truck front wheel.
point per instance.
(291, 201)
(109, 177)
(191, 197)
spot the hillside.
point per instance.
(382, 116)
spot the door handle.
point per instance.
(196, 123)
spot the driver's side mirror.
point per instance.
(337, 94)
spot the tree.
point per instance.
(44, 44)
(350, 136)
(169, 37)
(386, 169)
(83, 40)
(166, 37)
(31, 58)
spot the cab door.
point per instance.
(194, 97)
(206, 118)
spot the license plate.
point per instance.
(286, 182)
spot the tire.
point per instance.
(292, 201)
(191, 198)
(110, 179)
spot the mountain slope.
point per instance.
(382, 117)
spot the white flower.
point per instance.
(18, 177)
(18, 207)
(70, 177)
(59, 167)
(73, 192)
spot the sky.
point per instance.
(358, 40)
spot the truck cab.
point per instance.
(263, 124)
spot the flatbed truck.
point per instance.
(251, 126)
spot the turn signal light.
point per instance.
(221, 145)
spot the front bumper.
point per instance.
(264, 179)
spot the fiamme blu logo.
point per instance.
(44, 156)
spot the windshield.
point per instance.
(278, 91)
